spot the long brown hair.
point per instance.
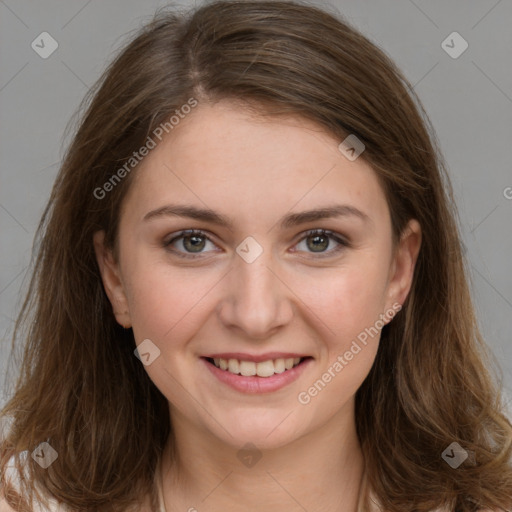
(80, 386)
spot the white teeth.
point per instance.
(265, 369)
(233, 365)
(288, 363)
(262, 369)
(247, 368)
(279, 366)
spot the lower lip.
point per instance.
(255, 384)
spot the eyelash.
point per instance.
(197, 232)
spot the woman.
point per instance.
(249, 289)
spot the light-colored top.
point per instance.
(12, 476)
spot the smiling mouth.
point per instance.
(260, 369)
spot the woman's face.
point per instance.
(253, 291)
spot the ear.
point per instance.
(403, 264)
(111, 277)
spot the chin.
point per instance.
(266, 431)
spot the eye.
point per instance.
(192, 241)
(319, 240)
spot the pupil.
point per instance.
(321, 246)
(196, 241)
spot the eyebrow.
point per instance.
(288, 221)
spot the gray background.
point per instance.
(469, 100)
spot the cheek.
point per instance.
(165, 301)
(151, 305)
(350, 306)
(352, 298)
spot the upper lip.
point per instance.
(256, 358)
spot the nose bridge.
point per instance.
(256, 300)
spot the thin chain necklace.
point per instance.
(161, 500)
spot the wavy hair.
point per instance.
(81, 388)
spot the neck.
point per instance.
(320, 471)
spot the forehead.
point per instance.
(228, 159)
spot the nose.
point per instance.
(255, 299)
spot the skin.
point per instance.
(290, 299)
